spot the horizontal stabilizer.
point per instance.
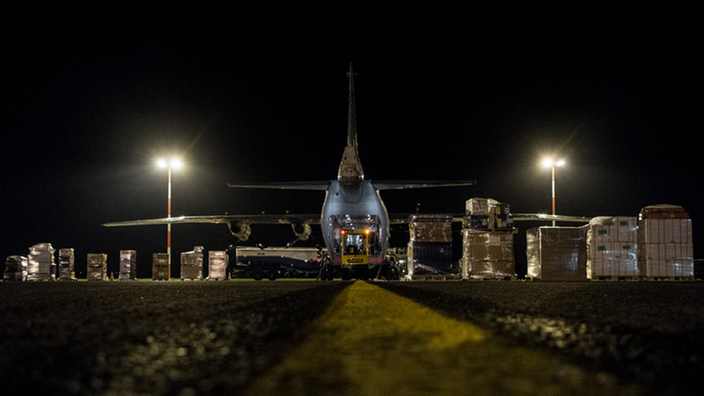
(224, 219)
(407, 184)
(310, 185)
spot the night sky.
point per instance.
(93, 94)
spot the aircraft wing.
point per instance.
(224, 219)
(407, 184)
(547, 217)
(311, 185)
(402, 218)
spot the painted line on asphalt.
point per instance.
(370, 341)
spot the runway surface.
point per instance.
(350, 338)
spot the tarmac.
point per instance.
(351, 338)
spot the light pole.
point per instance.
(549, 162)
(174, 163)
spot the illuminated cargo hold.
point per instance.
(612, 248)
(665, 247)
(557, 253)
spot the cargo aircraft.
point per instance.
(354, 221)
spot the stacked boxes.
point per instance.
(487, 240)
(557, 253)
(40, 263)
(430, 245)
(66, 265)
(217, 265)
(487, 254)
(612, 247)
(128, 265)
(97, 267)
(487, 213)
(15, 269)
(160, 266)
(192, 264)
(665, 242)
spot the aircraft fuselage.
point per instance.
(355, 207)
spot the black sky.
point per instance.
(93, 93)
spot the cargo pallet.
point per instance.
(605, 278)
(667, 278)
(414, 278)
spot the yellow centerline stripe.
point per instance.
(370, 341)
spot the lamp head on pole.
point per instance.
(174, 163)
(549, 162)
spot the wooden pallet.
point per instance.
(415, 278)
(496, 278)
(668, 278)
(611, 278)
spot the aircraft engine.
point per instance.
(241, 231)
(302, 231)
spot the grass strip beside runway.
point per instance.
(373, 342)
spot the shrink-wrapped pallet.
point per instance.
(665, 248)
(557, 253)
(128, 265)
(487, 254)
(612, 247)
(15, 268)
(160, 266)
(430, 227)
(217, 265)
(66, 265)
(97, 267)
(40, 263)
(192, 264)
